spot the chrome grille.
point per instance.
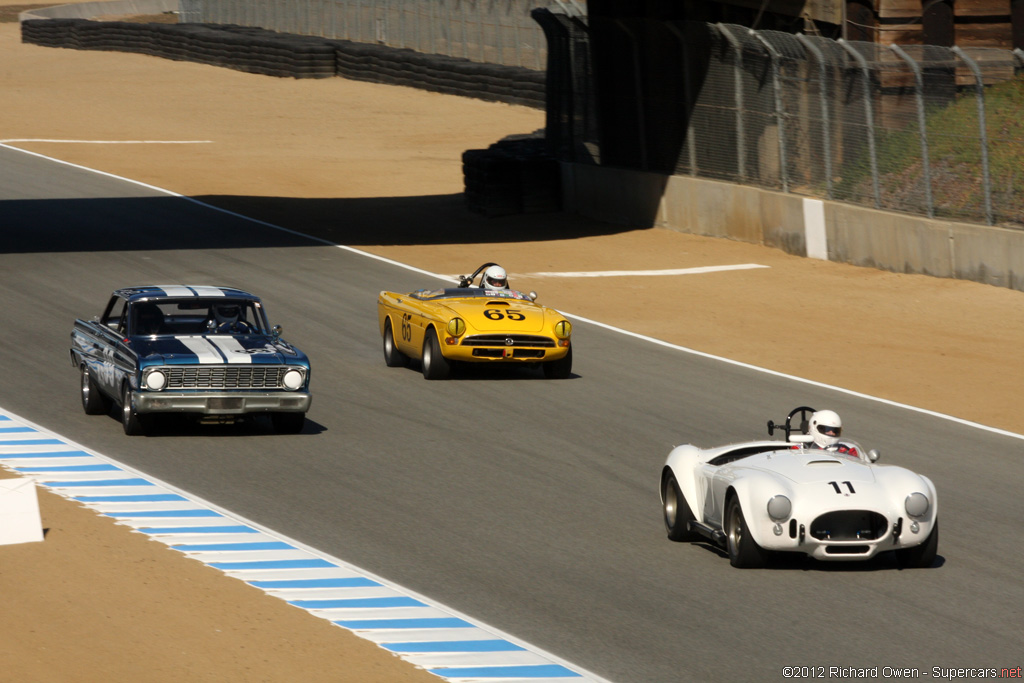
(225, 376)
(533, 340)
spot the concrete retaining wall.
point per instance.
(88, 10)
(834, 231)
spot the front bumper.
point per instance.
(222, 403)
(503, 354)
(904, 533)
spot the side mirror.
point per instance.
(873, 455)
(211, 325)
(277, 330)
(532, 296)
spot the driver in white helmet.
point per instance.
(826, 427)
(227, 319)
(494, 277)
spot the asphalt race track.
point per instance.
(528, 504)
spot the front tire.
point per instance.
(676, 510)
(93, 401)
(559, 369)
(920, 556)
(288, 423)
(392, 356)
(435, 365)
(744, 552)
(133, 423)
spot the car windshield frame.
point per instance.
(188, 316)
(468, 293)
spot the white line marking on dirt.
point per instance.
(648, 273)
(112, 142)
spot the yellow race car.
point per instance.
(473, 324)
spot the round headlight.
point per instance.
(916, 504)
(456, 327)
(293, 380)
(156, 380)
(779, 508)
(563, 329)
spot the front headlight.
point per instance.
(563, 328)
(917, 505)
(779, 508)
(155, 380)
(456, 327)
(293, 380)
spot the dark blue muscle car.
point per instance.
(207, 351)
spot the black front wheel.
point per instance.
(559, 369)
(920, 556)
(435, 365)
(133, 423)
(288, 423)
(743, 550)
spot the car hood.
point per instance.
(809, 466)
(215, 349)
(498, 315)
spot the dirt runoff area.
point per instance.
(378, 167)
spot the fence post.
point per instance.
(922, 126)
(639, 94)
(687, 97)
(979, 87)
(869, 114)
(737, 78)
(826, 121)
(777, 87)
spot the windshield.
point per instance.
(467, 293)
(193, 316)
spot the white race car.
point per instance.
(760, 497)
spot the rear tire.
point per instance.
(435, 365)
(676, 510)
(559, 369)
(392, 356)
(93, 401)
(744, 552)
(920, 556)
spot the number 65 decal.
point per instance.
(496, 314)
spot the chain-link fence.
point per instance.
(487, 31)
(928, 130)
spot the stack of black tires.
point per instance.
(257, 50)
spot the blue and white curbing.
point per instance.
(435, 638)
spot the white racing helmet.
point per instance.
(226, 314)
(826, 427)
(494, 277)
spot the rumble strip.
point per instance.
(430, 636)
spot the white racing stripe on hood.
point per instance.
(206, 353)
(233, 351)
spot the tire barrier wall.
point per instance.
(256, 50)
